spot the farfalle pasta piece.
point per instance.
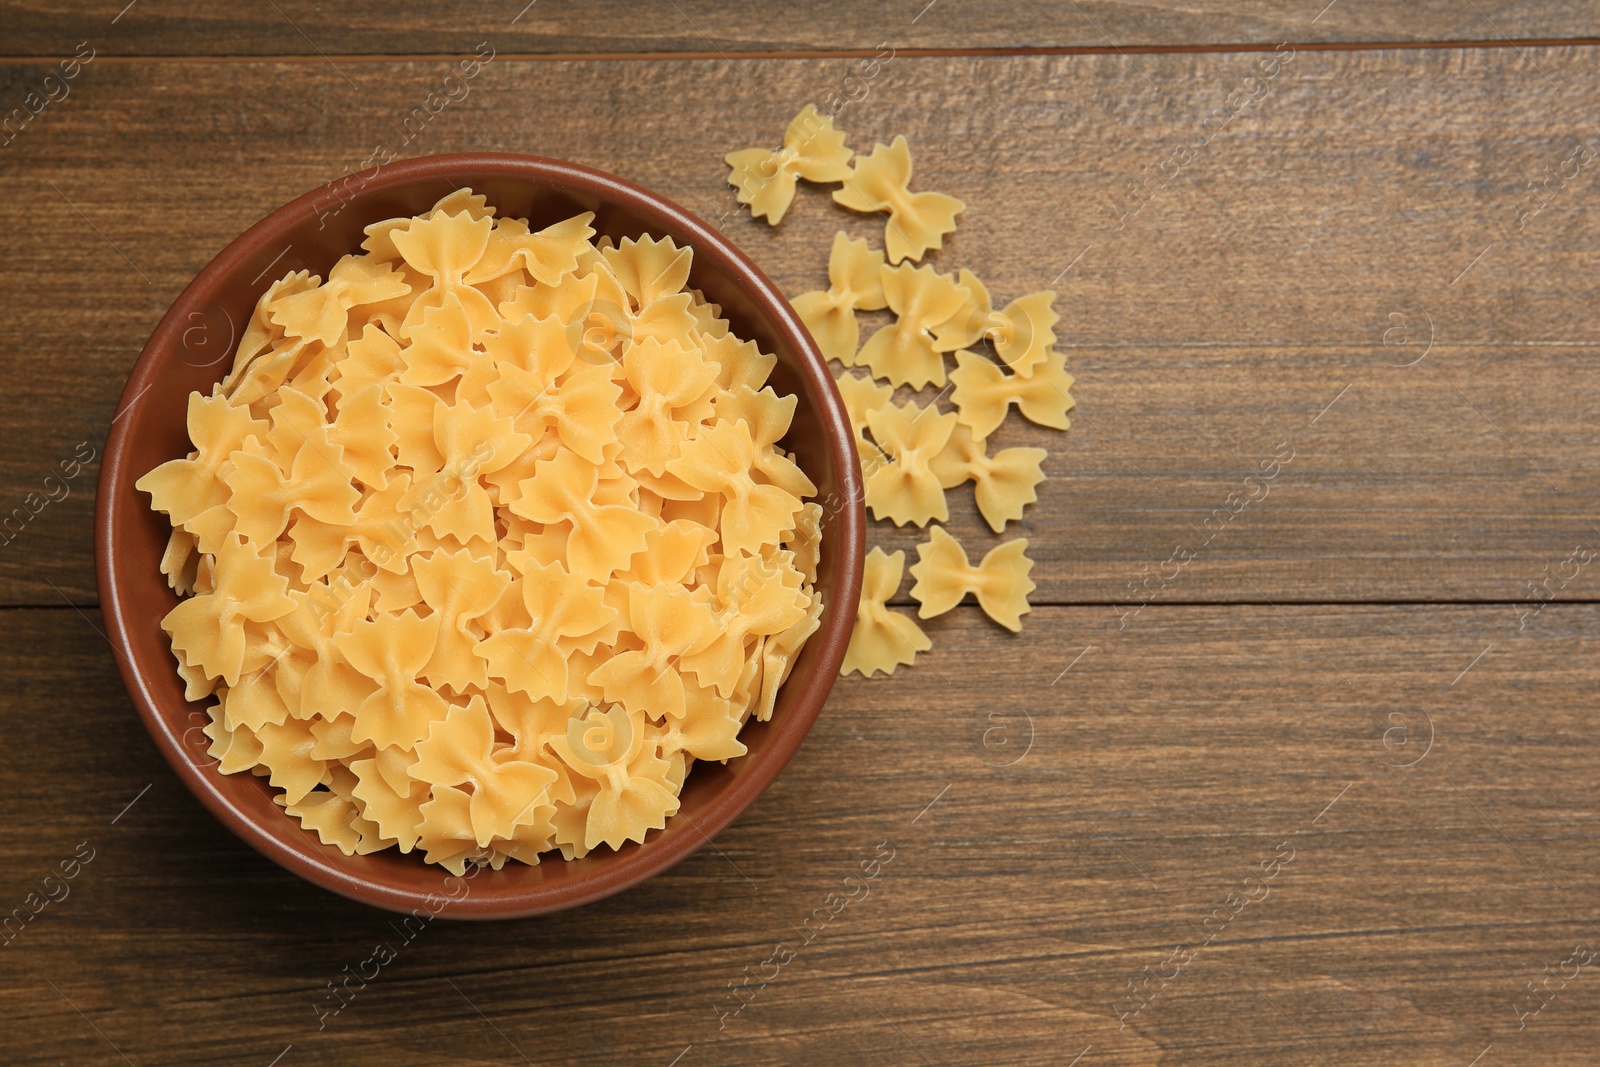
(671, 553)
(471, 442)
(917, 221)
(180, 561)
(234, 748)
(983, 392)
(1004, 483)
(854, 284)
(459, 588)
(616, 316)
(286, 753)
(753, 598)
(1000, 582)
(649, 269)
(812, 149)
(256, 700)
(183, 488)
(362, 430)
(1023, 333)
(905, 487)
(261, 334)
(389, 797)
(882, 639)
(371, 359)
(709, 732)
(602, 536)
(207, 630)
(506, 794)
(738, 362)
(778, 656)
(547, 255)
(392, 650)
(667, 377)
(541, 384)
(317, 482)
(719, 460)
(611, 749)
(329, 816)
(440, 346)
(461, 201)
(669, 621)
(563, 609)
(445, 247)
(807, 541)
(768, 416)
(861, 396)
(322, 313)
(331, 686)
(906, 352)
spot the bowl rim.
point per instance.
(621, 869)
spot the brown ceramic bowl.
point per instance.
(192, 348)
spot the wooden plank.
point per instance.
(364, 27)
(1053, 836)
(1246, 304)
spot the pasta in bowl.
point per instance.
(507, 516)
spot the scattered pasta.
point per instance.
(905, 487)
(812, 149)
(1000, 582)
(854, 283)
(912, 452)
(983, 392)
(882, 639)
(906, 352)
(1023, 333)
(1004, 484)
(488, 537)
(917, 221)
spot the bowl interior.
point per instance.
(193, 348)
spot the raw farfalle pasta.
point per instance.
(904, 488)
(911, 453)
(983, 392)
(882, 639)
(854, 284)
(1023, 333)
(906, 352)
(917, 221)
(1004, 483)
(1000, 582)
(861, 397)
(812, 149)
(488, 537)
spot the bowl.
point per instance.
(192, 348)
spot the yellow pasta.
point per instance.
(910, 454)
(917, 221)
(983, 392)
(1004, 482)
(905, 488)
(812, 149)
(487, 538)
(882, 639)
(906, 352)
(854, 284)
(861, 396)
(1000, 582)
(1023, 333)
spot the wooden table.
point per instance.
(1326, 798)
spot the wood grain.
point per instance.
(1053, 835)
(1258, 299)
(364, 27)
